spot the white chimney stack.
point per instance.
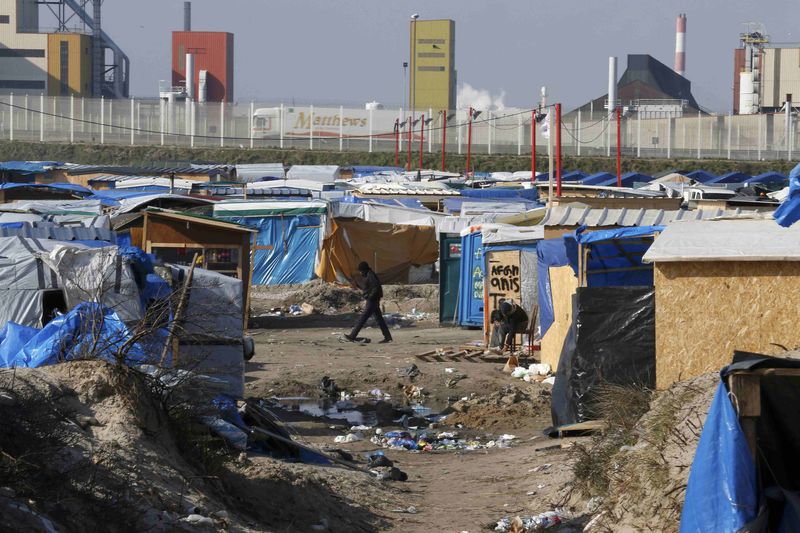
(680, 44)
(190, 76)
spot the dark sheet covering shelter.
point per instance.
(612, 340)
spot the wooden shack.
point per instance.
(222, 246)
(723, 286)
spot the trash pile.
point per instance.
(424, 441)
(534, 372)
(530, 524)
(513, 406)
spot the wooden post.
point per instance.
(179, 312)
(746, 391)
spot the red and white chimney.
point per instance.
(680, 44)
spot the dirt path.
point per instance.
(451, 490)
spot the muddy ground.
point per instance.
(450, 490)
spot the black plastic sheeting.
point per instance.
(612, 340)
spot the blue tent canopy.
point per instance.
(495, 193)
(731, 177)
(628, 180)
(703, 176)
(572, 175)
(598, 178)
(399, 202)
(767, 178)
(58, 186)
(366, 170)
(615, 255)
(28, 168)
(453, 205)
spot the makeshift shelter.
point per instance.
(450, 259)
(472, 274)
(730, 177)
(557, 284)
(318, 173)
(772, 179)
(290, 234)
(391, 250)
(175, 237)
(10, 192)
(40, 277)
(745, 475)
(612, 335)
(739, 275)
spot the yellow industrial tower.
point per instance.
(432, 84)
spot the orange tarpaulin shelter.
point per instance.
(389, 249)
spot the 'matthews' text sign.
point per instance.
(503, 277)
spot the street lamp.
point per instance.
(405, 88)
(473, 114)
(413, 51)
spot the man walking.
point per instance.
(373, 292)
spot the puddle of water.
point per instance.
(356, 413)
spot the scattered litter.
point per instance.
(350, 437)
(429, 442)
(534, 371)
(452, 381)
(410, 372)
(550, 381)
(360, 428)
(389, 473)
(307, 309)
(328, 386)
(449, 370)
(377, 459)
(412, 392)
(198, 520)
(532, 523)
(410, 510)
(541, 468)
(295, 310)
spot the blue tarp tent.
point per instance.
(572, 176)
(731, 177)
(88, 328)
(598, 178)
(789, 211)
(703, 176)
(767, 178)
(288, 240)
(628, 180)
(550, 253)
(27, 168)
(472, 274)
(615, 255)
(494, 193)
(72, 187)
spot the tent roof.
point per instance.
(494, 233)
(580, 215)
(726, 240)
(244, 208)
(198, 219)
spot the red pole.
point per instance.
(469, 143)
(558, 150)
(397, 142)
(533, 146)
(619, 146)
(444, 137)
(421, 139)
(410, 142)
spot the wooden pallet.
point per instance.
(470, 355)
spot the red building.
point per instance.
(213, 52)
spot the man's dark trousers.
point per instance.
(372, 307)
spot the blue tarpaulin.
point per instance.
(73, 187)
(615, 256)
(400, 202)
(703, 176)
(27, 168)
(731, 177)
(292, 243)
(550, 253)
(598, 178)
(789, 211)
(494, 193)
(722, 494)
(88, 329)
(767, 178)
(367, 170)
(628, 180)
(472, 275)
(453, 205)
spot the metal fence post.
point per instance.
(133, 117)
(102, 120)
(698, 133)
(41, 117)
(11, 117)
(250, 122)
(192, 124)
(430, 131)
(370, 129)
(730, 124)
(460, 126)
(669, 137)
(489, 132)
(759, 128)
(27, 112)
(638, 134)
(280, 126)
(72, 118)
(311, 127)
(519, 134)
(161, 106)
(578, 133)
(222, 124)
(341, 128)
(83, 115)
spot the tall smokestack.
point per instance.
(680, 44)
(190, 76)
(187, 16)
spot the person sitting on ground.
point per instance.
(509, 320)
(373, 292)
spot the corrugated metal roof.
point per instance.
(579, 215)
(75, 169)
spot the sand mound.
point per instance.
(512, 407)
(85, 446)
(645, 480)
(325, 296)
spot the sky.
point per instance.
(350, 52)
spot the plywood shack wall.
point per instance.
(503, 278)
(706, 310)
(563, 285)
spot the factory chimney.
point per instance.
(187, 16)
(680, 44)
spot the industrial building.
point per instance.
(432, 84)
(70, 61)
(765, 75)
(213, 53)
